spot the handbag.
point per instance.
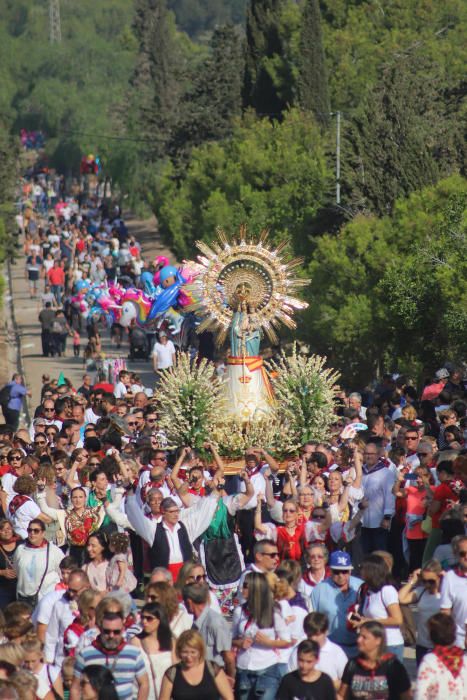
(427, 525)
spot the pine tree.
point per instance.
(155, 80)
(312, 81)
(209, 108)
(401, 139)
(263, 45)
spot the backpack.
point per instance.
(5, 395)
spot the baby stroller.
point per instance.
(139, 345)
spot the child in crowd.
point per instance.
(118, 574)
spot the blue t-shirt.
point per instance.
(327, 598)
(17, 393)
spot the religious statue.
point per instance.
(244, 290)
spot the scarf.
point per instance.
(13, 539)
(255, 470)
(451, 657)
(311, 581)
(16, 503)
(299, 601)
(368, 665)
(219, 527)
(460, 572)
(36, 546)
(97, 644)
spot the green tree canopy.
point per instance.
(268, 174)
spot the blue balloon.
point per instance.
(168, 297)
(79, 285)
(166, 272)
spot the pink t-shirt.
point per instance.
(416, 505)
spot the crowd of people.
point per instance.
(131, 570)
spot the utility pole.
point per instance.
(338, 158)
(55, 29)
(338, 155)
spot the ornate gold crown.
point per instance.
(235, 270)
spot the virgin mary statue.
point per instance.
(249, 390)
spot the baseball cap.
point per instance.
(442, 373)
(340, 561)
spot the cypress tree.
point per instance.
(312, 81)
(263, 44)
(398, 141)
(213, 101)
(155, 80)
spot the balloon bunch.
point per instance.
(98, 300)
(90, 165)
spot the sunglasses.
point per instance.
(429, 581)
(151, 420)
(94, 464)
(199, 578)
(336, 572)
(112, 633)
(271, 554)
(319, 517)
(463, 552)
(34, 529)
(289, 510)
(423, 454)
(40, 442)
(132, 424)
(411, 438)
(15, 457)
(48, 410)
(148, 618)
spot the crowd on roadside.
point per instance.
(131, 570)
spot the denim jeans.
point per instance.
(398, 651)
(250, 685)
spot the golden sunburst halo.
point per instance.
(243, 261)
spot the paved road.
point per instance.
(26, 310)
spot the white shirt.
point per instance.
(23, 516)
(375, 606)
(196, 518)
(259, 485)
(29, 564)
(61, 617)
(8, 482)
(164, 354)
(257, 657)
(44, 684)
(428, 604)
(43, 610)
(120, 390)
(454, 598)
(332, 660)
(175, 555)
(377, 487)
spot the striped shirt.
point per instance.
(125, 666)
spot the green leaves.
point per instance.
(271, 175)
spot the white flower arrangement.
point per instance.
(304, 391)
(191, 399)
(191, 402)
